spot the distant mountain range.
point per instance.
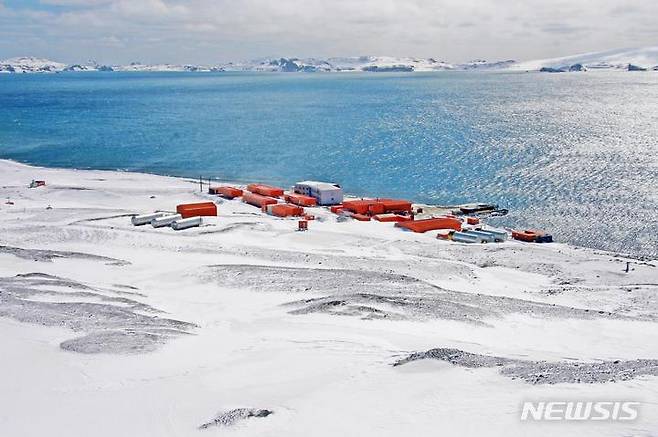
(636, 59)
(627, 59)
(362, 63)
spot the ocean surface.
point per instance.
(575, 154)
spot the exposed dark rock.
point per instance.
(543, 372)
(231, 417)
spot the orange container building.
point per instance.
(265, 190)
(284, 210)
(300, 199)
(357, 206)
(361, 217)
(392, 218)
(394, 205)
(528, 235)
(257, 199)
(226, 192)
(187, 210)
(377, 206)
(431, 224)
(337, 209)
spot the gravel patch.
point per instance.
(231, 417)
(369, 295)
(50, 255)
(115, 325)
(543, 372)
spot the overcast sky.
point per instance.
(211, 31)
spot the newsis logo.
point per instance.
(574, 411)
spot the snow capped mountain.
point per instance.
(621, 59)
(387, 63)
(637, 59)
(79, 67)
(279, 64)
(30, 64)
(138, 66)
(356, 63)
(481, 64)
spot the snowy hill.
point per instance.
(387, 63)
(621, 59)
(30, 64)
(246, 327)
(138, 66)
(359, 63)
(279, 64)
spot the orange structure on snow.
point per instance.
(336, 209)
(377, 206)
(392, 218)
(361, 217)
(300, 199)
(226, 192)
(187, 210)
(265, 190)
(431, 224)
(284, 210)
(257, 199)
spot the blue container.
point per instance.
(485, 237)
(499, 234)
(463, 237)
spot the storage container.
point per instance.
(484, 237)
(284, 210)
(361, 217)
(300, 199)
(143, 219)
(431, 224)
(265, 190)
(392, 218)
(226, 192)
(167, 220)
(336, 209)
(186, 223)
(526, 235)
(463, 237)
(197, 209)
(258, 200)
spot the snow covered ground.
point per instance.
(246, 327)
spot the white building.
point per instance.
(324, 192)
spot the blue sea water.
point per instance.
(576, 154)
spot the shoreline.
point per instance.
(280, 182)
(245, 315)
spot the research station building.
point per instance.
(324, 192)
